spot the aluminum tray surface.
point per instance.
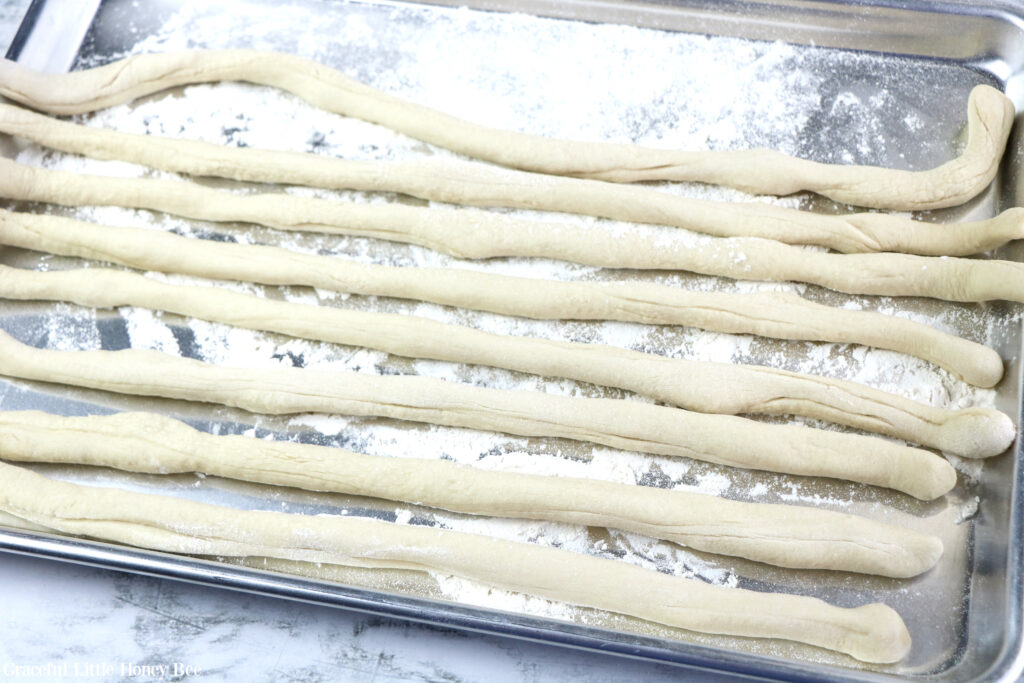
(828, 81)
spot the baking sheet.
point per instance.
(586, 81)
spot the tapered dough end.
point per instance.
(884, 640)
(921, 553)
(928, 478)
(986, 367)
(977, 433)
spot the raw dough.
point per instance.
(433, 227)
(989, 118)
(768, 314)
(624, 424)
(872, 633)
(705, 387)
(783, 535)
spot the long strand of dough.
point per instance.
(480, 235)
(475, 184)
(624, 424)
(783, 535)
(989, 118)
(768, 314)
(873, 633)
(462, 233)
(459, 182)
(705, 387)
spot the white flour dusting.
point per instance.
(656, 88)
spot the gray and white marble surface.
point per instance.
(11, 12)
(62, 621)
(66, 622)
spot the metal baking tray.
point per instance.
(882, 83)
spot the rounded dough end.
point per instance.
(923, 553)
(931, 479)
(886, 642)
(977, 433)
(988, 369)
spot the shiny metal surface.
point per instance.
(957, 44)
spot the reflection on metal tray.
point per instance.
(857, 84)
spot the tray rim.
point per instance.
(1007, 666)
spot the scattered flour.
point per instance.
(636, 85)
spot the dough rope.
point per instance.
(989, 118)
(873, 633)
(767, 314)
(623, 424)
(480, 235)
(783, 535)
(432, 226)
(704, 387)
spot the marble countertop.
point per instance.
(63, 621)
(66, 621)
